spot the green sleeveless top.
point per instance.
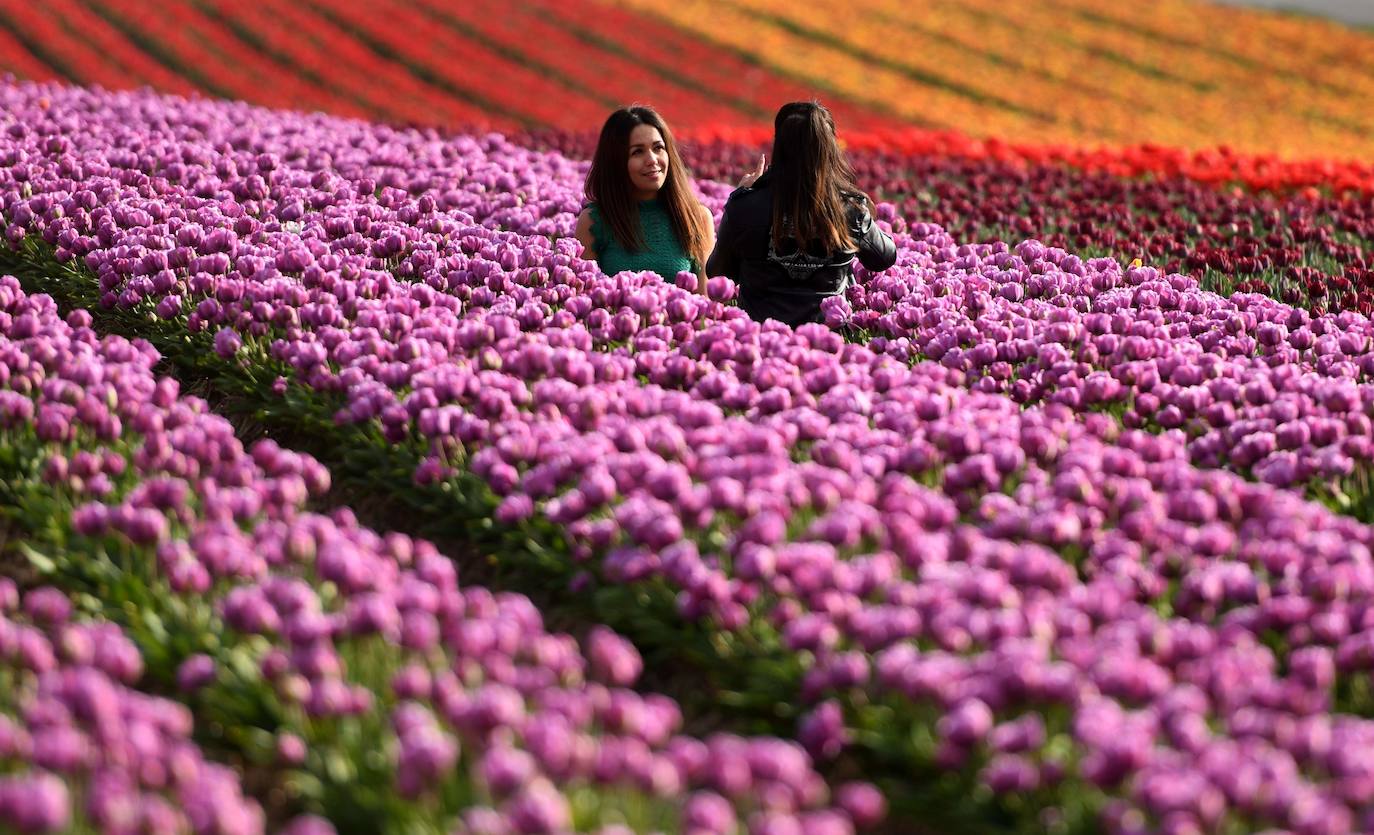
(661, 253)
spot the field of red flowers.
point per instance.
(340, 494)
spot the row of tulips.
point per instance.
(99, 35)
(85, 751)
(1159, 88)
(205, 51)
(901, 149)
(350, 668)
(21, 61)
(1251, 384)
(828, 64)
(662, 60)
(504, 87)
(1324, 52)
(333, 58)
(1026, 600)
(1104, 108)
(1311, 250)
(547, 64)
(689, 61)
(222, 49)
(68, 55)
(548, 49)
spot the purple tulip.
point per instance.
(195, 672)
(613, 659)
(308, 825)
(822, 731)
(39, 803)
(864, 804)
(538, 809)
(227, 343)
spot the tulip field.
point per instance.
(339, 493)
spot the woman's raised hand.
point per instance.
(748, 179)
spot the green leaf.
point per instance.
(36, 558)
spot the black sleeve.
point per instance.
(724, 258)
(877, 251)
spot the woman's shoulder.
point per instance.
(592, 214)
(589, 218)
(594, 222)
(750, 204)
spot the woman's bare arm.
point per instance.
(709, 223)
(584, 234)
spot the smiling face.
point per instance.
(648, 161)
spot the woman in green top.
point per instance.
(642, 214)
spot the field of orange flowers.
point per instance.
(1175, 73)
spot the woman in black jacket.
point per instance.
(789, 234)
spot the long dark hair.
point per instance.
(812, 181)
(608, 184)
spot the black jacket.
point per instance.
(789, 285)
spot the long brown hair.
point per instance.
(608, 185)
(812, 180)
